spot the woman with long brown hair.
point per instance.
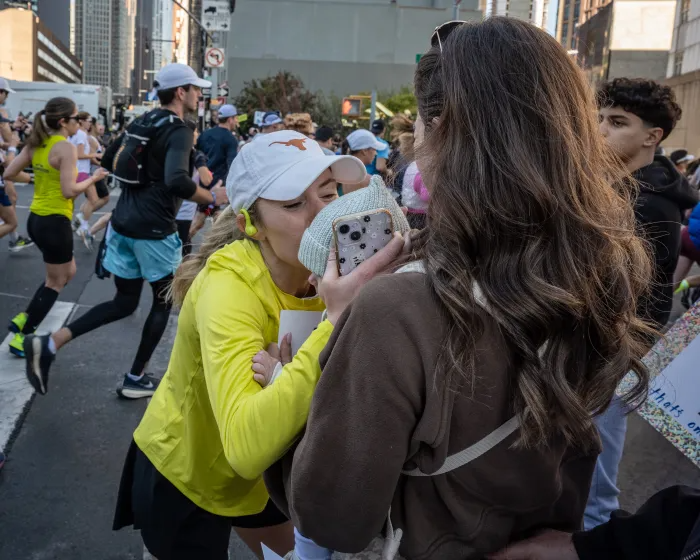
(54, 160)
(458, 395)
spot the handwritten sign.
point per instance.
(677, 389)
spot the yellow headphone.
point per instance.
(250, 229)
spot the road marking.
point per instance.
(15, 390)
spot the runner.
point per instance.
(17, 242)
(88, 157)
(201, 176)
(54, 161)
(8, 195)
(142, 243)
(195, 467)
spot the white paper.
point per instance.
(677, 391)
(267, 553)
(301, 324)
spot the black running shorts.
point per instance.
(172, 526)
(53, 235)
(102, 189)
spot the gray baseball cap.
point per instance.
(5, 85)
(177, 75)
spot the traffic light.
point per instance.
(351, 107)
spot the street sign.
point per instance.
(206, 92)
(214, 57)
(216, 15)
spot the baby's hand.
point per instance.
(267, 363)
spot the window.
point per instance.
(577, 10)
(685, 10)
(572, 45)
(565, 32)
(678, 63)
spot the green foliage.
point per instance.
(401, 101)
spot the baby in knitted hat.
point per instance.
(317, 242)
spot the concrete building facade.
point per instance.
(534, 11)
(627, 38)
(337, 46)
(32, 53)
(104, 40)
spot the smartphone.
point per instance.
(359, 236)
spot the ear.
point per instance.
(654, 136)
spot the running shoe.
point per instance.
(88, 239)
(144, 387)
(75, 224)
(21, 244)
(18, 322)
(17, 345)
(39, 359)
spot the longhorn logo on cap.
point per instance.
(297, 143)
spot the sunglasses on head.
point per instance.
(442, 32)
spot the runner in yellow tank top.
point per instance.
(55, 170)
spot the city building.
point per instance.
(626, 38)
(683, 75)
(339, 47)
(104, 37)
(534, 11)
(31, 52)
(142, 78)
(163, 43)
(54, 14)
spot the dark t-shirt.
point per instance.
(149, 212)
(221, 148)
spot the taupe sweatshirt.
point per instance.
(380, 407)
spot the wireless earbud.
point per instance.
(250, 229)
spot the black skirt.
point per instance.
(172, 526)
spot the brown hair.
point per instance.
(528, 203)
(48, 119)
(223, 232)
(83, 116)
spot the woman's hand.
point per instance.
(265, 362)
(338, 291)
(99, 174)
(219, 192)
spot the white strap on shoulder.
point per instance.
(473, 452)
(415, 266)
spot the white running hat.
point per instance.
(362, 139)
(5, 85)
(281, 166)
(176, 75)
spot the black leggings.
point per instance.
(183, 232)
(125, 302)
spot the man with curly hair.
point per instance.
(636, 115)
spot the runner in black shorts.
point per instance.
(53, 159)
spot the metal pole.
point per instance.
(193, 18)
(455, 10)
(373, 109)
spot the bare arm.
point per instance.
(64, 156)
(14, 171)
(5, 130)
(205, 176)
(357, 186)
(381, 165)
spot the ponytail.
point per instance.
(49, 119)
(40, 132)
(223, 232)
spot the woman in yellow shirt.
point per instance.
(54, 161)
(195, 468)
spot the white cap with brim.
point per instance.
(363, 139)
(282, 166)
(227, 111)
(5, 85)
(686, 159)
(270, 119)
(177, 75)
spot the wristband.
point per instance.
(213, 195)
(12, 150)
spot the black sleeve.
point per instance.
(111, 151)
(200, 159)
(658, 530)
(232, 152)
(176, 169)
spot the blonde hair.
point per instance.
(300, 122)
(223, 232)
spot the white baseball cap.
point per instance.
(176, 75)
(227, 111)
(5, 85)
(281, 166)
(363, 139)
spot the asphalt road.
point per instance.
(58, 488)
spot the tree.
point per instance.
(283, 92)
(401, 101)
